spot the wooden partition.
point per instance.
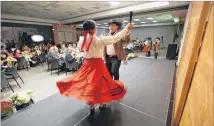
(194, 79)
(198, 110)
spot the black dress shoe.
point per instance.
(92, 111)
(102, 107)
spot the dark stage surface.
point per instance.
(146, 103)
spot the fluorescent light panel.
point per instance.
(144, 6)
(136, 19)
(114, 3)
(176, 20)
(150, 18)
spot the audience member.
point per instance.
(68, 55)
(17, 54)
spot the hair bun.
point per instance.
(88, 25)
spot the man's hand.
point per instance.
(130, 26)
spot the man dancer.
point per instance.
(115, 53)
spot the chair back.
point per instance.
(54, 63)
(48, 59)
(4, 82)
(21, 62)
(71, 65)
(14, 71)
(42, 57)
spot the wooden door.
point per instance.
(61, 35)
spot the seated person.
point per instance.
(35, 55)
(74, 48)
(4, 56)
(54, 54)
(5, 66)
(26, 49)
(3, 49)
(45, 49)
(68, 55)
(17, 54)
(62, 49)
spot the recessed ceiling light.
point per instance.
(98, 24)
(105, 23)
(114, 3)
(150, 18)
(49, 6)
(125, 21)
(142, 22)
(136, 19)
(176, 19)
(154, 21)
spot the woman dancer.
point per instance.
(156, 47)
(92, 83)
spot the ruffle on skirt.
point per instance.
(92, 83)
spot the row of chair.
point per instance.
(54, 64)
(23, 63)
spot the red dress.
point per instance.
(92, 83)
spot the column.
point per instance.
(74, 31)
(55, 32)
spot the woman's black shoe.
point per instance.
(102, 107)
(92, 111)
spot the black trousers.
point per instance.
(113, 64)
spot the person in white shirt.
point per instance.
(92, 83)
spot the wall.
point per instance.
(151, 31)
(157, 31)
(100, 31)
(45, 31)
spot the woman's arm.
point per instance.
(108, 40)
(79, 44)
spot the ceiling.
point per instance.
(162, 17)
(67, 12)
(57, 10)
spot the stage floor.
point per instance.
(149, 84)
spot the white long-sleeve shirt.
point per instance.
(96, 49)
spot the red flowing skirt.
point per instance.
(92, 83)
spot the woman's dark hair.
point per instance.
(89, 25)
(58, 46)
(158, 38)
(66, 45)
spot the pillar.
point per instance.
(55, 32)
(74, 31)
